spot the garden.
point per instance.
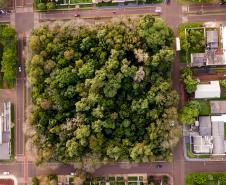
(8, 58)
(206, 179)
(192, 40)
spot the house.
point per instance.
(213, 55)
(198, 59)
(202, 140)
(208, 90)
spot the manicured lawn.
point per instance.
(224, 130)
(80, 1)
(205, 179)
(205, 108)
(189, 152)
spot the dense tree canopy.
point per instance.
(103, 90)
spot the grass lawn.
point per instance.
(225, 131)
(205, 107)
(207, 178)
(189, 152)
(80, 1)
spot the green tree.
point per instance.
(189, 112)
(35, 181)
(190, 84)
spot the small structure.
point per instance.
(212, 39)
(204, 126)
(218, 107)
(208, 90)
(202, 144)
(198, 59)
(218, 137)
(5, 123)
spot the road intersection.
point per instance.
(24, 22)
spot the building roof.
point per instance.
(211, 36)
(218, 137)
(208, 90)
(218, 107)
(198, 59)
(202, 144)
(204, 126)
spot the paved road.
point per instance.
(95, 13)
(19, 136)
(206, 7)
(178, 168)
(207, 18)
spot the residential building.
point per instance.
(208, 90)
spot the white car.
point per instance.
(19, 69)
(5, 173)
(158, 10)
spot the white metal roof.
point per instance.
(209, 90)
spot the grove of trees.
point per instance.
(8, 42)
(103, 90)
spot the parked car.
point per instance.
(158, 166)
(5, 173)
(158, 10)
(19, 69)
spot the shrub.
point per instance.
(41, 6)
(51, 5)
(200, 178)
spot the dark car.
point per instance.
(222, 2)
(158, 166)
(167, 1)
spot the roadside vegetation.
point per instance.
(190, 112)
(103, 91)
(190, 84)
(206, 179)
(8, 58)
(4, 3)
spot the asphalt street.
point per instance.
(172, 14)
(19, 136)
